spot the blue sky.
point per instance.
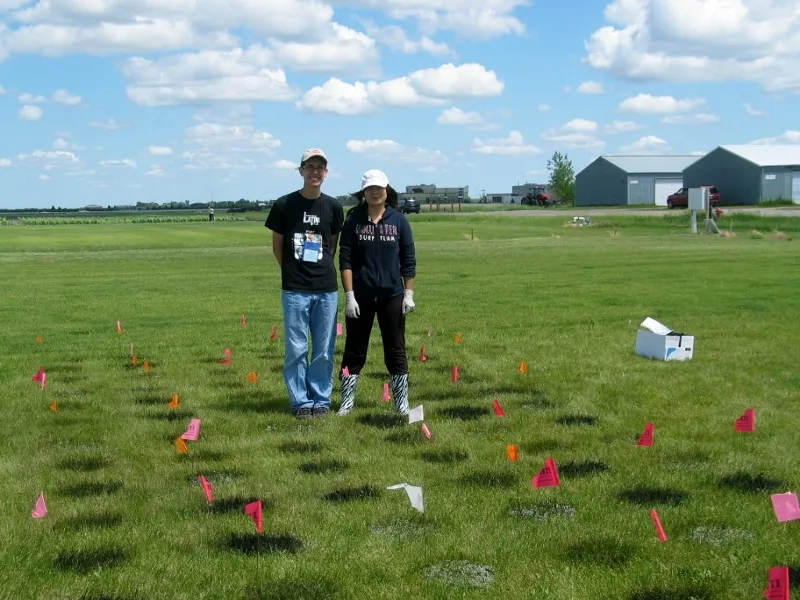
(114, 102)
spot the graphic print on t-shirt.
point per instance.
(367, 232)
(300, 240)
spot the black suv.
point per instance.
(410, 205)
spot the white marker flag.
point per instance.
(414, 494)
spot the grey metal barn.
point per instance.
(615, 180)
(749, 174)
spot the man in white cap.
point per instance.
(305, 233)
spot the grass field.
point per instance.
(127, 518)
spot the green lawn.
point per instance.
(128, 520)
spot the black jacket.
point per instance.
(379, 254)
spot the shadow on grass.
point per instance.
(87, 489)
(300, 589)
(576, 420)
(674, 593)
(366, 492)
(85, 464)
(752, 484)
(452, 393)
(491, 479)
(254, 400)
(170, 416)
(794, 577)
(601, 551)
(444, 457)
(643, 496)
(582, 469)
(236, 504)
(151, 399)
(383, 420)
(324, 466)
(297, 447)
(406, 437)
(254, 543)
(100, 521)
(84, 562)
(464, 413)
(102, 596)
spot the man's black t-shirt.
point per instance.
(307, 227)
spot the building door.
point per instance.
(665, 187)
(796, 187)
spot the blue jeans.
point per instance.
(310, 384)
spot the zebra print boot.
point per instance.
(400, 393)
(349, 384)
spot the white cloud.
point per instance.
(49, 159)
(590, 87)
(581, 125)
(789, 137)
(577, 133)
(29, 112)
(700, 41)
(60, 144)
(111, 125)
(427, 87)
(65, 98)
(44, 177)
(2, 90)
(695, 119)
(159, 150)
(513, 145)
(229, 145)
(391, 150)
(753, 111)
(155, 171)
(543, 107)
(622, 127)
(395, 37)
(31, 99)
(125, 162)
(647, 104)
(471, 19)
(344, 50)
(284, 164)
(456, 116)
(4, 162)
(649, 144)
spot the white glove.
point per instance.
(351, 308)
(408, 301)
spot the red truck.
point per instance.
(680, 199)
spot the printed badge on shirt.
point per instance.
(308, 246)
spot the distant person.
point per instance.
(378, 265)
(305, 233)
(210, 213)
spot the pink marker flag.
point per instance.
(387, 397)
(192, 431)
(647, 436)
(207, 488)
(339, 329)
(778, 588)
(498, 408)
(39, 376)
(659, 528)
(345, 372)
(227, 359)
(40, 508)
(255, 511)
(425, 431)
(786, 507)
(747, 422)
(454, 374)
(547, 477)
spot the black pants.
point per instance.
(392, 323)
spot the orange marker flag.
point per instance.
(175, 402)
(274, 335)
(422, 355)
(747, 422)
(39, 339)
(181, 446)
(252, 377)
(135, 360)
(147, 366)
(523, 367)
(547, 477)
(119, 327)
(458, 338)
(778, 588)
(255, 510)
(512, 453)
(659, 528)
(647, 437)
(244, 321)
(54, 406)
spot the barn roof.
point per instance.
(768, 155)
(652, 163)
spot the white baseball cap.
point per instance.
(311, 153)
(374, 177)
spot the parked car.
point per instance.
(680, 199)
(409, 205)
